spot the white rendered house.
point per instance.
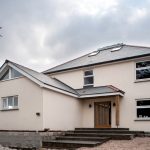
(109, 88)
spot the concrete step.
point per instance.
(81, 138)
(60, 144)
(108, 131)
(113, 136)
(102, 129)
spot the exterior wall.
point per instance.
(71, 78)
(29, 102)
(61, 112)
(122, 76)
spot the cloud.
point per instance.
(45, 33)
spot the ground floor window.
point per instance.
(10, 102)
(143, 108)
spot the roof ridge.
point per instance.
(111, 46)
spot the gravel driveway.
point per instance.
(135, 144)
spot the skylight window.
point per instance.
(116, 49)
(93, 53)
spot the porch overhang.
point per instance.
(101, 91)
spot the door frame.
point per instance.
(110, 113)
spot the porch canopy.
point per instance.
(103, 91)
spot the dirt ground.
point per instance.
(135, 144)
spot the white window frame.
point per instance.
(137, 107)
(148, 67)
(86, 76)
(7, 107)
(10, 75)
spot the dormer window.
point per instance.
(88, 78)
(10, 73)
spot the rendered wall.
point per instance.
(29, 101)
(61, 112)
(122, 76)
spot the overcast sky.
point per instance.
(40, 34)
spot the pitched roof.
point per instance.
(103, 55)
(52, 82)
(106, 90)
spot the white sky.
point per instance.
(40, 34)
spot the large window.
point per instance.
(143, 109)
(143, 70)
(88, 78)
(10, 102)
(10, 74)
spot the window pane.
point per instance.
(15, 73)
(143, 74)
(4, 103)
(143, 103)
(5, 76)
(10, 102)
(15, 101)
(90, 72)
(88, 80)
(143, 64)
(143, 112)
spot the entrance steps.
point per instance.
(90, 137)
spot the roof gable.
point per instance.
(40, 79)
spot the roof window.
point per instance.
(116, 49)
(93, 53)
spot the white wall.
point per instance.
(122, 76)
(61, 112)
(71, 78)
(30, 102)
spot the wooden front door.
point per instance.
(102, 114)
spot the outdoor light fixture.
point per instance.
(114, 104)
(90, 105)
(37, 114)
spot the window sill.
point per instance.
(142, 119)
(141, 80)
(12, 109)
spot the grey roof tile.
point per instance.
(104, 56)
(45, 79)
(98, 90)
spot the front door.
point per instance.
(102, 114)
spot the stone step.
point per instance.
(108, 131)
(60, 144)
(102, 129)
(113, 136)
(81, 138)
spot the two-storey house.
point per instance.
(105, 88)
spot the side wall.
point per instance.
(61, 112)
(29, 101)
(122, 76)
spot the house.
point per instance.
(109, 88)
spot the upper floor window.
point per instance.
(143, 70)
(88, 78)
(143, 108)
(10, 102)
(10, 74)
